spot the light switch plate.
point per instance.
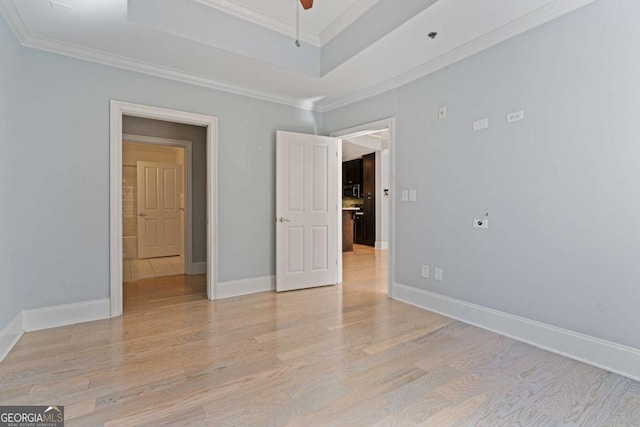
(413, 195)
(442, 112)
(481, 124)
(437, 274)
(425, 271)
(405, 195)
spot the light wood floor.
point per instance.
(339, 356)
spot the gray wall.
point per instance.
(10, 292)
(562, 186)
(198, 136)
(64, 143)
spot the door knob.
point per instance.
(283, 219)
(142, 214)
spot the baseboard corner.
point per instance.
(236, 288)
(381, 245)
(10, 336)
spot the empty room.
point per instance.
(311, 213)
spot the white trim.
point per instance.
(236, 288)
(12, 16)
(382, 245)
(67, 314)
(361, 130)
(341, 23)
(345, 20)
(264, 21)
(603, 354)
(188, 209)
(523, 24)
(512, 29)
(199, 268)
(117, 110)
(10, 335)
(155, 70)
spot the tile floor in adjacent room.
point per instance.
(136, 269)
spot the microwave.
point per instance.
(352, 190)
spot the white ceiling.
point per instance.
(318, 25)
(355, 148)
(271, 68)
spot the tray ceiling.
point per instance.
(195, 41)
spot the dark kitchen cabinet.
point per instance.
(365, 227)
(352, 172)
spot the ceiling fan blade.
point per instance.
(306, 4)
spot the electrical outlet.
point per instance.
(480, 124)
(437, 274)
(515, 116)
(425, 271)
(481, 223)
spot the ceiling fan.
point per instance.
(306, 4)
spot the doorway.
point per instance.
(157, 203)
(120, 111)
(368, 208)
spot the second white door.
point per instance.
(306, 209)
(158, 209)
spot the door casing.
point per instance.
(364, 129)
(117, 110)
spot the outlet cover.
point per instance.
(516, 116)
(481, 223)
(480, 124)
(425, 271)
(437, 274)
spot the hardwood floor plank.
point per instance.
(343, 355)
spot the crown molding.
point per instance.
(528, 22)
(345, 20)
(514, 28)
(60, 48)
(262, 20)
(13, 18)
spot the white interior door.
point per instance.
(158, 209)
(306, 211)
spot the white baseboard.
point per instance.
(603, 354)
(382, 245)
(10, 335)
(236, 288)
(66, 314)
(199, 268)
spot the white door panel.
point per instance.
(306, 223)
(158, 209)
